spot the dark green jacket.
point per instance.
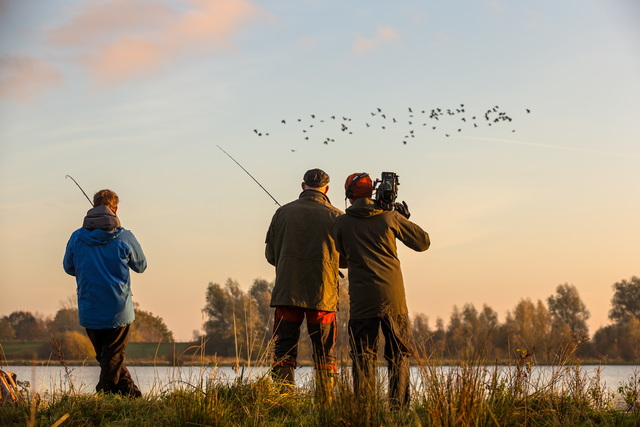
(366, 236)
(300, 245)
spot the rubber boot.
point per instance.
(284, 375)
(325, 383)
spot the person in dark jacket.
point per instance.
(366, 235)
(300, 245)
(100, 255)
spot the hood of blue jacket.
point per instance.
(101, 217)
(98, 236)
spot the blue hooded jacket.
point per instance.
(100, 259)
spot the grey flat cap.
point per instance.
(316, 178)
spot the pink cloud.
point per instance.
(109, 19)
(384, 35)
(214, 20)
(127, 57)
(22, 78)
(124, 39)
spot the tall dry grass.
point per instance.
(472, 392)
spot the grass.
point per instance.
(138, 353)
(469, 394)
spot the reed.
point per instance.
(472, 392)
(469, 394)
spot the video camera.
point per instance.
(386, 191)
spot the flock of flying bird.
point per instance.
(410, 124)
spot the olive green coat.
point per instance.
(300, 245)
(366, 236)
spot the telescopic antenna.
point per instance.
(76, 182)
(265, 190)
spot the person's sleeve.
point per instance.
(137, 260)
(337, 237)
(412, 235)
(68, 262)
(269, 249)
(342, 262)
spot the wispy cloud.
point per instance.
(100, 22)
(206, 26)
(496, 6)
(384, 35)
(440, 40)
(116, 40)
(23, 78)
(308, 42)
(551, 146)
(536, 19)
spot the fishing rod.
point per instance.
(265, 190)
(76, 182)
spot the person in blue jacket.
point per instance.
(100, 255)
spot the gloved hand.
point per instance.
(402, 209)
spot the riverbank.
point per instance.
(463, 395)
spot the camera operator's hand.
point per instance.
(402, 209)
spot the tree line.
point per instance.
(239, 324)
(65, 329)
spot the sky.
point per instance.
(138, 95)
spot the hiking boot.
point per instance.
(284, 375)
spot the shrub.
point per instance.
(76, 345)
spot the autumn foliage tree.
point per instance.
(149, 328)
(621, 339)
(235, 324)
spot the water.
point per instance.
(159, 379)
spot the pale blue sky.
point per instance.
(135, 95)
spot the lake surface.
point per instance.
(159, 379)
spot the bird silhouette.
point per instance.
(492, 115)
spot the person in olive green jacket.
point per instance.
(300, 245)
(366, 235)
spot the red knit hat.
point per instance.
(358, 186)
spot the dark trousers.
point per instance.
(363, 335)
(322, 329)
(110, 345)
